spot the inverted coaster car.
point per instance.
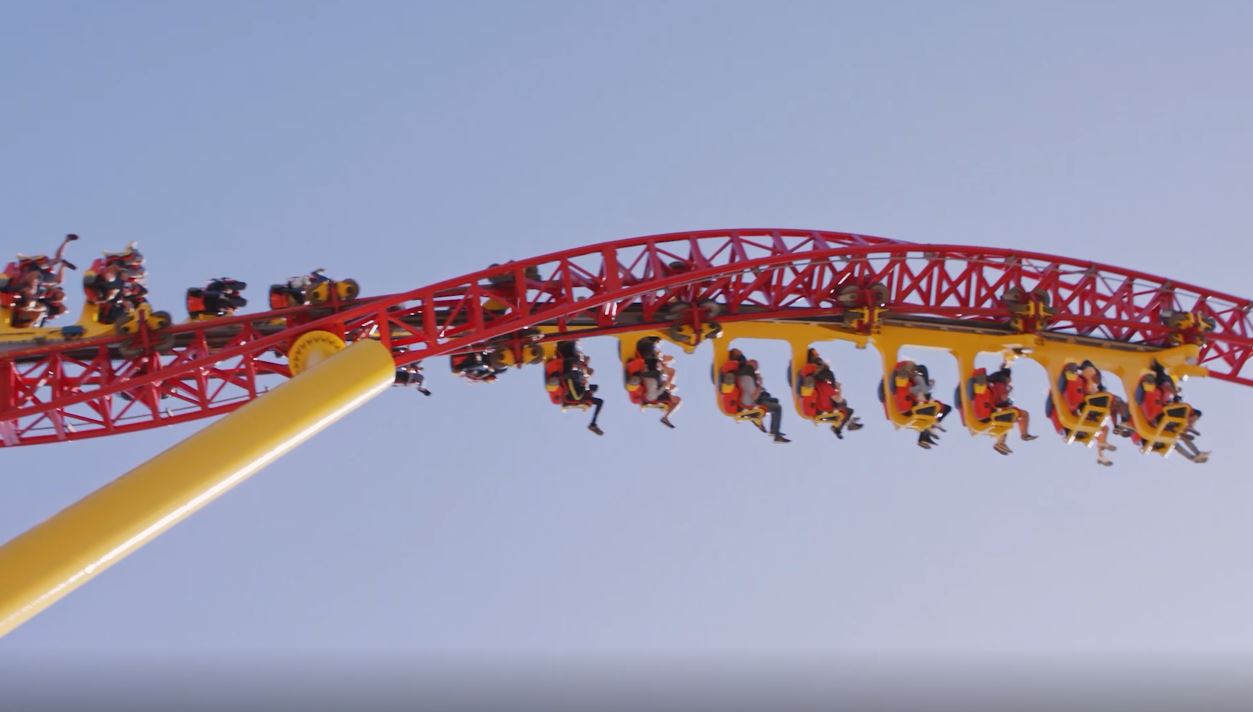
(978, 407)
(726, 368)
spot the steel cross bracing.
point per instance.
(82, 389)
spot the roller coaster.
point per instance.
(124, 367)
(804, 287)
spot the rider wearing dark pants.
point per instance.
(575, 371)
(752, 394)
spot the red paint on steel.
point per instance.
(85, 389)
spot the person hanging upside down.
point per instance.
(572, 371)
(650, 379)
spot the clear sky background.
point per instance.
(402, 143)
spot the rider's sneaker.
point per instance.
(595, 429)
(780, 439)
(1029, 437)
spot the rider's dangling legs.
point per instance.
(576, 370)
(753, 395)
(774, 409)
(581, 392)
(656, 391)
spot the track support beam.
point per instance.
(64, 552)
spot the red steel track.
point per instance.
(87, 388)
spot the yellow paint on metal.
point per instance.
(64, 552)
(311, 348)
(1128, 366)
(88, 326)
(798, 335)
(1052, 352)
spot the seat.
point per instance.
(1171, 419)
(920, 417)
(727, 389)
(1082, 427)
(973, 399)
(810, 394)
(557, 391)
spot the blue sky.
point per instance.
(402, 143)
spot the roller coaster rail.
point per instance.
(63, 389)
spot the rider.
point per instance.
(654, 359)
(477, 366)
(103, 285)
(223, 296)
(31, 285)
(115, 283)
(752, 394)
(1093, 383)
(917, 393)
(576, 390)
(1076, 383)
(410, 374)
(1000, 384)
(1156, 393)
(655, 376)
(826, 403)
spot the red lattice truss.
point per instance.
(87, 389)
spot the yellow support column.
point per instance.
(47, 562)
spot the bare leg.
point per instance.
(671, 406)
(1024, 425)
(1102, 446)
(1188, 452)
(1187, 447)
